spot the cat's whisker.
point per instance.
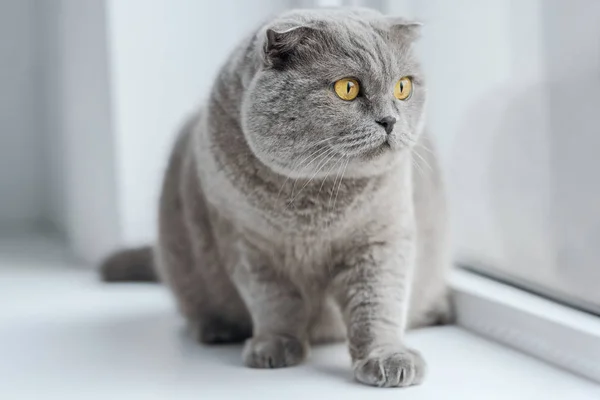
(320, 166)
(420, 157)
(418, 168)
(362, 151)
(359, 136)
(328, 223)
(415, 153)
(325, 179)
(424, 147)
(324, 140)
(299, 163)
(330, 150)
(287, 178)
(340, 183)
(334, 183)
(417, 144)
(310, 158)
(357, 144)
(324, 155)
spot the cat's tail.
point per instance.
(130, 265)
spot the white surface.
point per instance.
(64, 335)
(558, 334)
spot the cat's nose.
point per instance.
(387, 123)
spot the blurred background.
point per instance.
(92, 93)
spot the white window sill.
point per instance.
(561, 335)
(65, 335)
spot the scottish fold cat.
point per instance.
(303, 203)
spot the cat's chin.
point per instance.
(376, 160)
(371, 169)
(353, 168)
(368, 163)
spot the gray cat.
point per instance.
(303, 204)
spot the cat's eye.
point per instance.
(403, 89)
(347, 88)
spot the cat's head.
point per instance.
(337, 89)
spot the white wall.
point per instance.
(86, 128)
(92, 94)
(20, 148)
(48, 20)
(164, 55)
(479, 56)
(514, 99)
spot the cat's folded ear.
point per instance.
(402, 30)
(280, 45)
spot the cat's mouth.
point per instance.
(370, 147)
(377, 150)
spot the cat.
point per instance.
(304, 202)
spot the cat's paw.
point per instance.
(394, 368)
(215, 330)
(273, 351)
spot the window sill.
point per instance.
(563, 336)
(65, 335)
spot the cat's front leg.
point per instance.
(373, 291)
(278, 310)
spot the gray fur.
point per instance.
(129, 265)
(290, 215)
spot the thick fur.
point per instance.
(289, 216)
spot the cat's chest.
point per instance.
(318, 211)
(308, 258)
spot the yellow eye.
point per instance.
(347, 88)
(403, 89)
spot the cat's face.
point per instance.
(337, 93)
